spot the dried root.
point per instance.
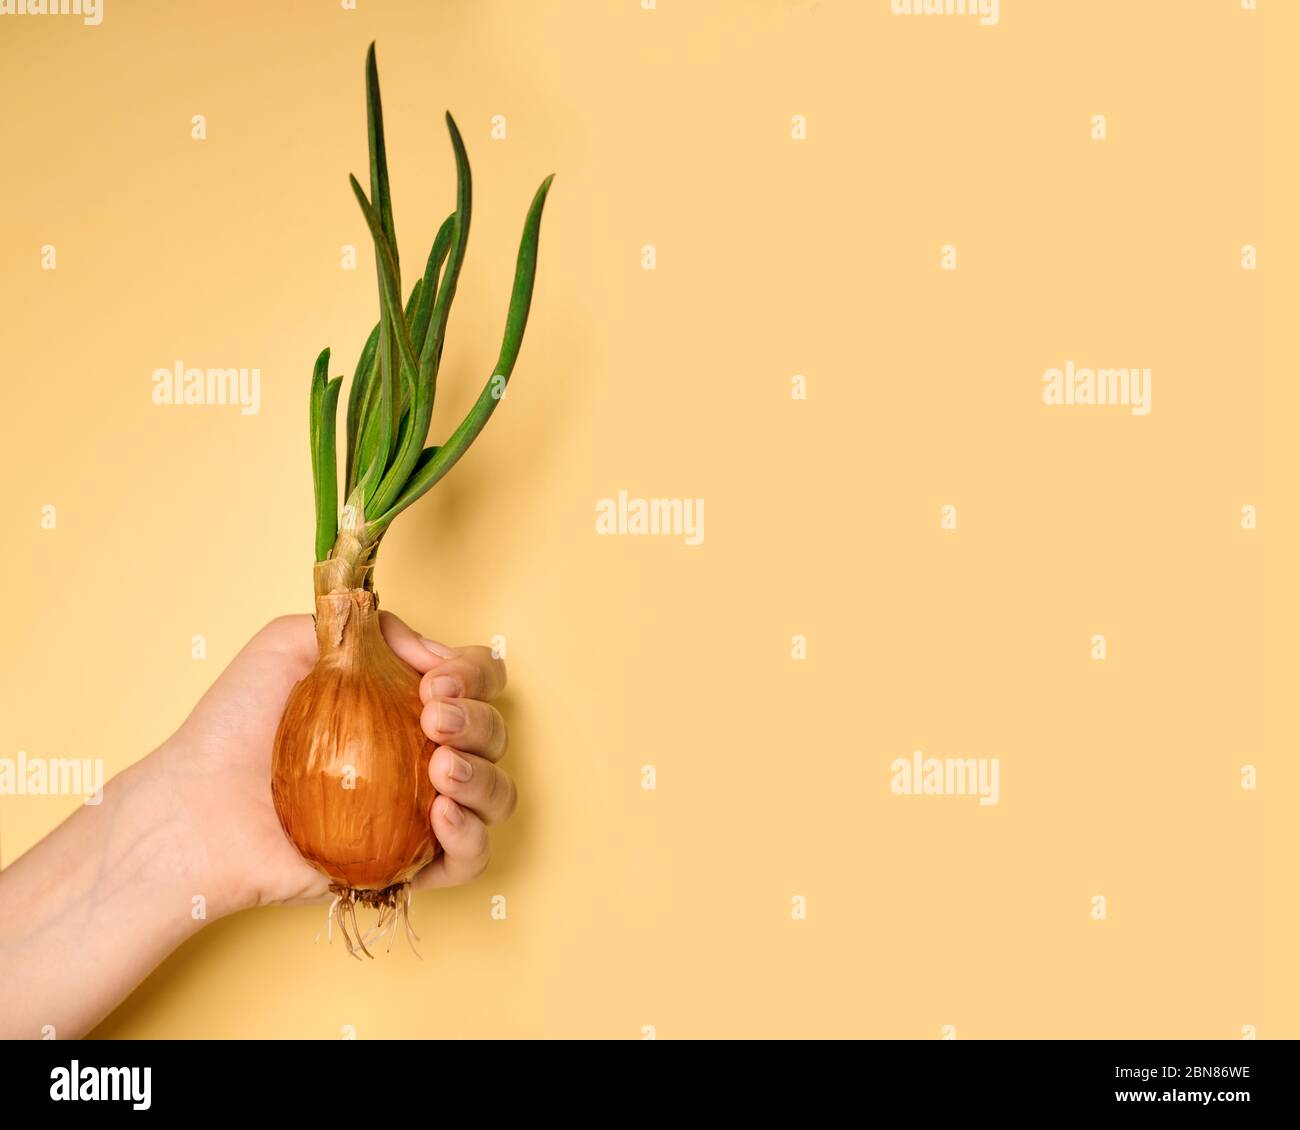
(394, 906)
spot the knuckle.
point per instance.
(512, 795)
(489, 671)
(499, 798)
(498, 735)
(472, 676)
(492, 787)
(475, 866)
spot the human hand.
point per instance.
(116, 887)
(219, 763)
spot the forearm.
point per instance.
(91, 910)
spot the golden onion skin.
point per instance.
(350, 764)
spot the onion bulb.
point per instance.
(350, 765)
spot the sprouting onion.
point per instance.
(350, 763)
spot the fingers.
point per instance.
(466, 672)
(464, 840)
(466, 724)
(409, 645)
(471, 735)
(474, 783)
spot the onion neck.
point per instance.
(349, 566)
(347, 626)
(347, 607)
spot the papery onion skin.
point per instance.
(350, 763)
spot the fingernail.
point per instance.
(438, 648)
(451, 810)
(458, 769)
(451, 718)
(445, 686)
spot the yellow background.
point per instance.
(672, 127)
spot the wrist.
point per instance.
(169, 841)
(96, 905)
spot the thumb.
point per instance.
(412, 648)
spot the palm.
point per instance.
(227, 739)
